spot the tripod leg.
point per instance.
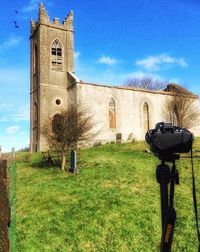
(163, 178)
(168, 231)
(164, 202)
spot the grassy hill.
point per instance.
(113, 204)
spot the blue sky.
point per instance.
(114, 40)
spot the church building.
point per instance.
(119, 112)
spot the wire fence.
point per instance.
(7, 205)
(4, 208)
(12, 200)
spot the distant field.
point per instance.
(112, 205)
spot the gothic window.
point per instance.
(35, 59)
(112, 114)
(56, 55)
(173, 114)
(35, 121)
(146, 117)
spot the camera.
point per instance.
(167, 140)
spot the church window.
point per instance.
(146, 117)
(35, 122)
(112, 114)
(57, 124)
(35, 59)
(56, 55)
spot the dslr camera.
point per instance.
(167, 140)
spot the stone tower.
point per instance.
(52, 67)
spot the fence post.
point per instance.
(4, 208)
(13, 153)
(12, 200)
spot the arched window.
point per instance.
(146, 117)
(56, 55)
(175, 114)
(35, 111)
(112, 114)
(35, 59)
(35, 122)
(57, 124)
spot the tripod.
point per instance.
(164, 176)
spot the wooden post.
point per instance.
(13, 153)
(4, 208)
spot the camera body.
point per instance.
(167, 140)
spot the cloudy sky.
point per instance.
(114, 40)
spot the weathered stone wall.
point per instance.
(129, 110)
(49, 95)
(196, 128)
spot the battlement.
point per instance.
(44, 19)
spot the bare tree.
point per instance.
(65, 129)
(147, 82)
(182, 109)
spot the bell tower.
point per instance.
(52, 61)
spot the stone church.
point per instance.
(118, 112)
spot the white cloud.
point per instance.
(107, 60)
(92, 74)
(11, 114)
(182, 62)
(11, 42)
(76, 55)
(13, 129)
(34, 4)
(140, 75)
(23, 114)
(154, 63)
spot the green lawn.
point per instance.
(113, 204)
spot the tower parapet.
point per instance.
(44, 19)
(32, 25)
(68, 22)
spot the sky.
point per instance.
(114, 40)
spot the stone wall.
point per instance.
(129, 110)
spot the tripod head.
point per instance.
(166, 157)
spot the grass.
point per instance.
(112, 205)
